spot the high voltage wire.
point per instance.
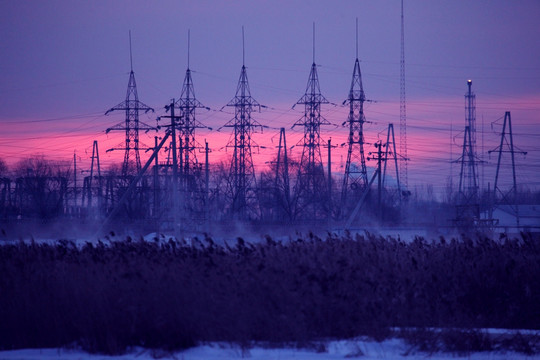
(71, 117)
(50, 85)
(281, 112)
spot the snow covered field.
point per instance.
(388, 349)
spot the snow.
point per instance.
(346, 349)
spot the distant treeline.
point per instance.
(107, 297)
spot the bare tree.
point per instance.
(3, 168)
(41, 186)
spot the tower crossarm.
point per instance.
(130, 105)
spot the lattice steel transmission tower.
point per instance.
(190, 168)
(89, 186)
(244, 203)
(131, 125)
(282, 191)
(468, 207)
(468, 182)
(508, 197)
(470, 117)
(310, 188)
(403, 110)
(355, 178)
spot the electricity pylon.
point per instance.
(355, 177)
(131, 125)
(390, 154)
(310, 188)
(508, 197)
(190, 172)
(88, 182)
(468, 207)
(244, 203)
(281, 182)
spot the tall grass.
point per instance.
(165, 294)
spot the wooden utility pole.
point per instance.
(207, 186)
(329, 180)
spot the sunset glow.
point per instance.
(54, 104)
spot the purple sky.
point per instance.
(64, 63)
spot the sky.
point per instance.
(64, 63)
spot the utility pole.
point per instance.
(75, 179)
(329, 180)
(132, 184)
(379, 157)
(174, 171)
(207, 186)
(330, 169)
(156, 182)
(174, 121)
(379, 146)
(181, 167)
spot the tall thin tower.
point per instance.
(470, 114)
(188, 104)
(131, 125)
(403, 109)
(355, 179)
(508, 197)
(468, 208)
(242, 174)
(311, 183)
(469, 170)
(281, 182)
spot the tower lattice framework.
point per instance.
(187, 104)
(281, 181)
(468, 182)
(242, 173)
(355, 179)
(510, 196)
(403, 110)
(311, 189)
(132, 106)
(468, 207)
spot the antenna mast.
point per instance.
(403, 110)
(314, 42)
(357, 38)
(130, 52)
